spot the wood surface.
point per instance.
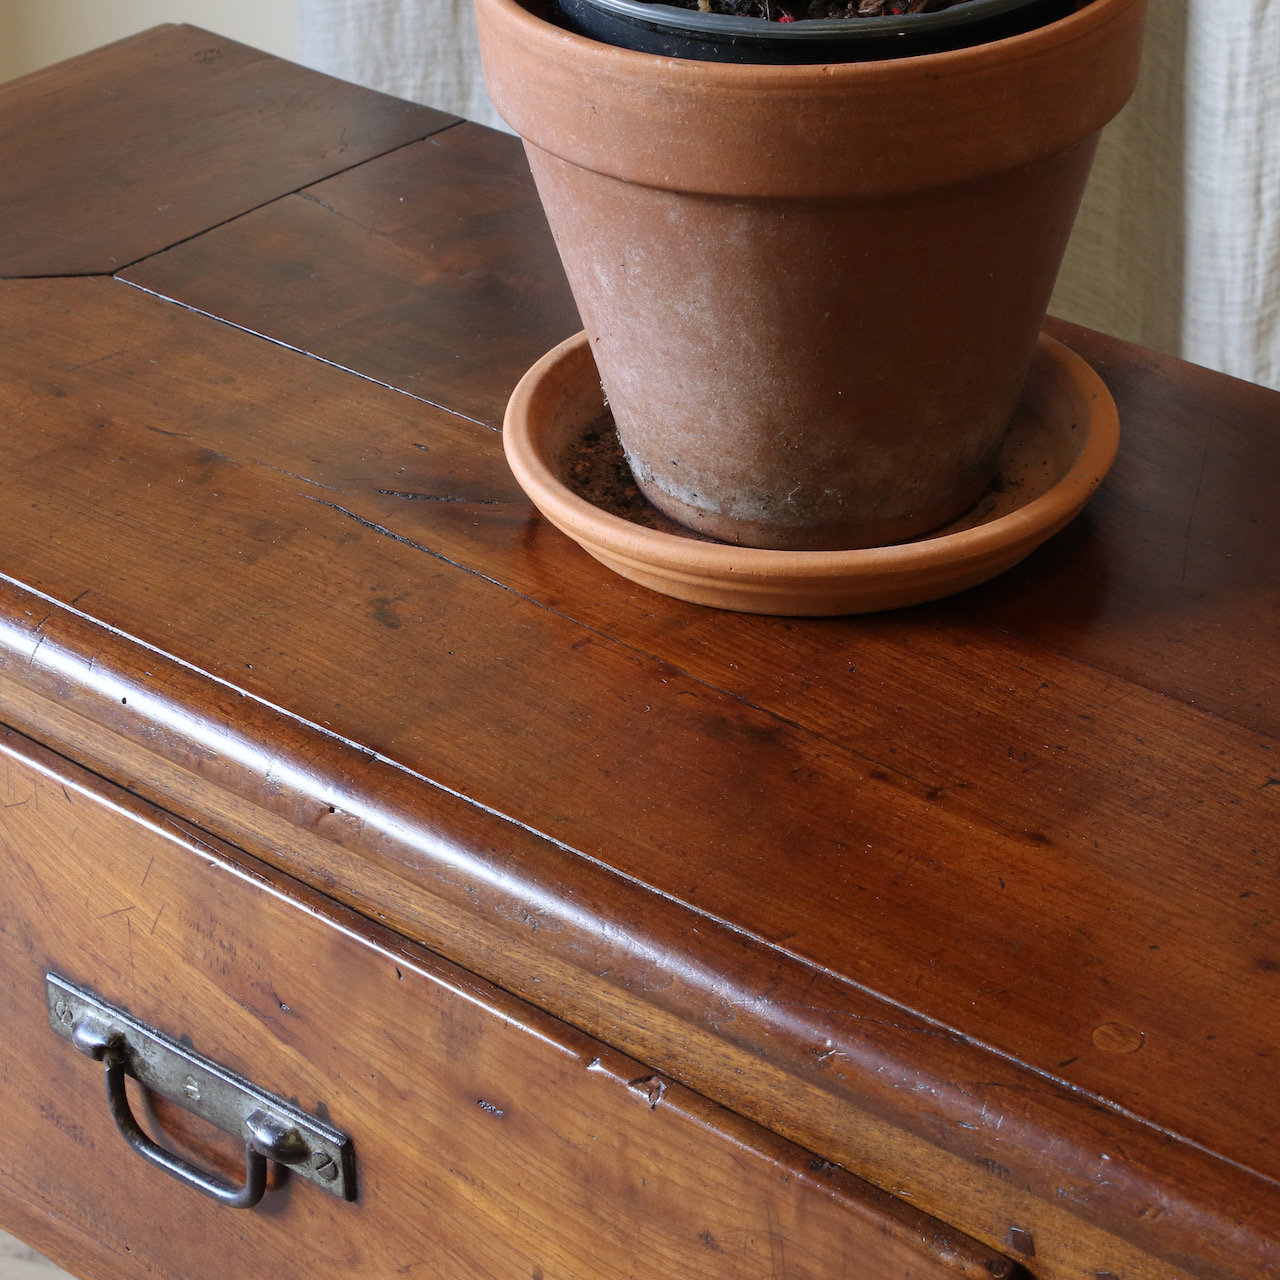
(975, 898)
(1163, 569)
(215, 769)
(430, 269)
(127, 150)
(680, 765)
(1176, 570)
(490, 1140)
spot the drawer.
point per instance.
(490, 1140)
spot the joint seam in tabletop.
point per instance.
(701, 682)
(776, 715)
(694, 678)
(994, 628)
(195, 235)
(1263, 735)
(932, 1026)
(1258, 734)
(287, 346)
(285, 195)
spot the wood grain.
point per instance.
(178, 465)
(129, 149)
(976, 898)
(490, 1139)
(1157, 584)
(1176, 565)
(430, 269)
(517, 911)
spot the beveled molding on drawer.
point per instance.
(492, 1140)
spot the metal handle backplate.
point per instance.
(270, 1127)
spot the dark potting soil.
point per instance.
(595, 468)
(793, 10)
(597, 471)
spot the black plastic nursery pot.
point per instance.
(714, 37)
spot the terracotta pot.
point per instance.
(813, 292)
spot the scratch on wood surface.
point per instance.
(88, 364)
(1191, 515)
(319, 484)
(28, 873)
(369, 228)
(410, 496)
(119, 911)
(188, 833)
(555, 1133)
(777, 1243)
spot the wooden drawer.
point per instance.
(490, 1139)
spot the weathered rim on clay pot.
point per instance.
(560, 396)
(718, 37)
(756, 130)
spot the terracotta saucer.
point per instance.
(1061, 443)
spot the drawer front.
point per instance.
(490, 1140)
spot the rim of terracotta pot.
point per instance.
(654, 26)
(722, 128)
(750, 579)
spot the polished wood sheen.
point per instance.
(489, 1139)
(445, 235)
(124, 151)
(931, 950)
(975, 899)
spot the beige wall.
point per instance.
(34, 33)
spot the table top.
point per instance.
(987, 885)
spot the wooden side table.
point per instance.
(621, 937)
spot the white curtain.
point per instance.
(1231, 316)
(1177, 245)
(1124, 268)
(423, 50)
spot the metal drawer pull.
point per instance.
(272, 1129)
(112, 1054)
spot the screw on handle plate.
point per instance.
(272, 1129)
